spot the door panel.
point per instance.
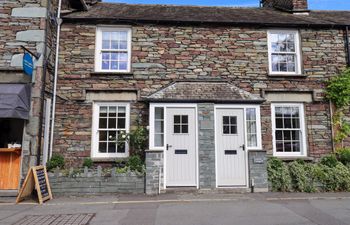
(181, 147)
(231, 155)
(9, 170)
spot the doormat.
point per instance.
(61, 219)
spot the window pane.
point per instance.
(123, 65)
(102, 147)
(177, 119)
(185, 129)
(233, 129)
(279, 135)
(296, 146)
(252, 140)
(114, 44)
(226, 120)
(105, 65)
(158, 140)
(279, 123)
(287, 123)
(121, 123)
(159, 113)
(184, 119)
(233, 120)
(287, 146)
(177, 129)
(296, 135)
(287, 135)
(112, 123)
(279, 146)
(251, 114)
(159, 127)
(251, 127)
(111, 147)
(121, 111)
(121, 147)
(112, 111)
(103, 135)
(226, 129)
(112, 136)
(103, 123)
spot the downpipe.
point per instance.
(53, 111)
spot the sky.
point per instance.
(313, 4)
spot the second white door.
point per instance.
(231, 155)
(181, 147)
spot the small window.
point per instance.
(110, 124)
(284, 52)
(252, 131)
(113, 49)
(289, 130)
(229, 124)
(180, 124)
(159, 127)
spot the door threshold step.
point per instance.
(181, 190)
(8, 193)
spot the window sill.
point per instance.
(97, 73)
(293, 158)
(107, 159)
(288, 75)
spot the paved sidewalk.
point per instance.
(182, 208)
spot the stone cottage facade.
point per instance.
(219, 88)
(22, 23)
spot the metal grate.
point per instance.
(62, 219)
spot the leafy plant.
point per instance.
(344, 155)
(120, 163)
(122, 170)
(329, 160)
(137, 140)
(56, 160)
(299, 176)
(338, 92)
(135, 163)
(278, 175)
(88, 163)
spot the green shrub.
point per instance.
(122, 169)
(120, 163)
(56, 160)
(335, 178)
(278, 175)
(344, 155)
(135, 163)
(329, 160)
(298, 175)
(88, 163)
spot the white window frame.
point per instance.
(95, 123)
(152, 127)
(98, 47)
(303, 151)
(298, 59)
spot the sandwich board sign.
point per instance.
(36, 179)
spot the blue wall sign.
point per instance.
(28, 65)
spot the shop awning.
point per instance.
(15, 101)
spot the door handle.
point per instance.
(168, 146)
(243, 147)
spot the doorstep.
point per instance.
(8, 193)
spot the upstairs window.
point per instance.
(284, 52)
(113, 49)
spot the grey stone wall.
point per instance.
(206, 145)
(119, 183)
(154, 172)
(258, 170)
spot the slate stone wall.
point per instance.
(206, 145)
(119, 183)
(162, 54)
(257, 162)
(154, 172)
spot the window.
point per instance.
(159, 127)
(252, 135)
(284, 52)
(288, 130)
(110, 122)
(180, 124)
(113, 49)
(229, 124)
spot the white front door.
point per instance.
(231, 155)
(181, 147)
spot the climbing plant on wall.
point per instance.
(338, 92)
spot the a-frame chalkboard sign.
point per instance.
(36, 178)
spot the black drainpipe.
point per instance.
(347, 44)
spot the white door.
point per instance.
(181, 147)
(231, 155)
